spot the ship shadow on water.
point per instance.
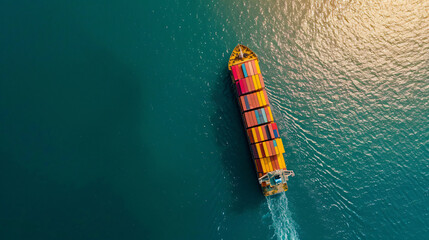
(230, 137)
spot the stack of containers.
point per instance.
(262, 132)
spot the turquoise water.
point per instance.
(118, 121)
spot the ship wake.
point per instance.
(283, 224)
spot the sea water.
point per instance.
(118, 120)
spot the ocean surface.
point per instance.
(118, 119)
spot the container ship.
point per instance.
(263, 136)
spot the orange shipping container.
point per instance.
(276, 164)
(251, 120)
(248, 119)
(254, 67)
(252, 84)
(250, 68)
(264, 133)
(250, 101)
(273, 151)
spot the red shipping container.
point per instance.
(243, 86)
(247, 85)
(257, 134)
(239, 72)
(262, 150)
(234, 72)
(274, 125)
(240, 84)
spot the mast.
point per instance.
(241, 55)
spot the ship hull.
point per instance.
(266, 145)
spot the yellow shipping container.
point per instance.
(281, 161)
(255, 83)
(257, 66)
(260, 133)
(259, 150)
(261, 95)
(280, 145)
(265, 149)
(264, 166)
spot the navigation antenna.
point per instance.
(241, 55)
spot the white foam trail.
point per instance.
(283, 224)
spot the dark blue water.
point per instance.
(118, 120)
